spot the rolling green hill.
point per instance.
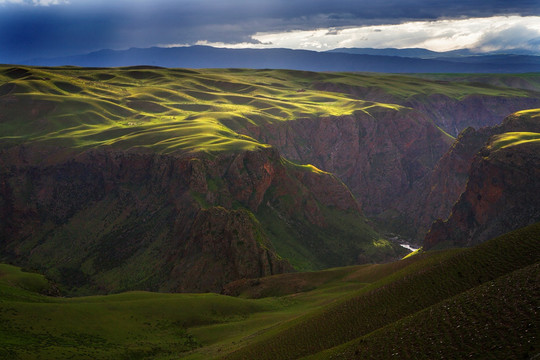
(172, 110)
(478, 302)
(162, 110)
(372, 317)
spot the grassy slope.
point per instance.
(336, 243)
(497, 320)
(128, 325)
(174, 110)
(423, 284)
(164, 110)
(420, 304)
(513, 139)
(150, 325)
(517, 138)
(530, 81)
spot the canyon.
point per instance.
(185, 180)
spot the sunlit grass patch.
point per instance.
(150, 107)
(513, 139)
(533, 113)
(127, 107)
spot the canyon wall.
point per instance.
(501, 193)
(113, 220)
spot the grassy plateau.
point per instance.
(178, 110)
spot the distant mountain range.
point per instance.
(428, 54)
(353, 59)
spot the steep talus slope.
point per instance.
(431, 282)
(449, 177)
(501, 192)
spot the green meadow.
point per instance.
(178, 110)
(424, 306)
(509, 139)
(513, 139)
(161, 110)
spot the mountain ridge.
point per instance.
(199, 56)
(430, 54)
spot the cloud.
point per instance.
(483, 34)
(516, 36)
(49, 2)
(35, 28)
(35, 2)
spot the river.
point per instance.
(409, 247)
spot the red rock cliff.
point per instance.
(501, 193)
(114, 220)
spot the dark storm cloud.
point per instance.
(81, 26)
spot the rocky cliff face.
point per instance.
(449, 113)
(398, 164)
(449, 177)
(501, 193)
(434, 198)
(113, 220)
(380, 156)
(476, 111)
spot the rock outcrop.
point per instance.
(380, 156)
(476, 111)
(502, 189)
(113, 220)
(435, 199)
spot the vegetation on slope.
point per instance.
(496, 320)
(527, 81)
(421, 285)
(163, 110)
(16, 284)
(478, 302)
(514, 138)
(171, 110)
(151, 325)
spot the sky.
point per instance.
(52, 28)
